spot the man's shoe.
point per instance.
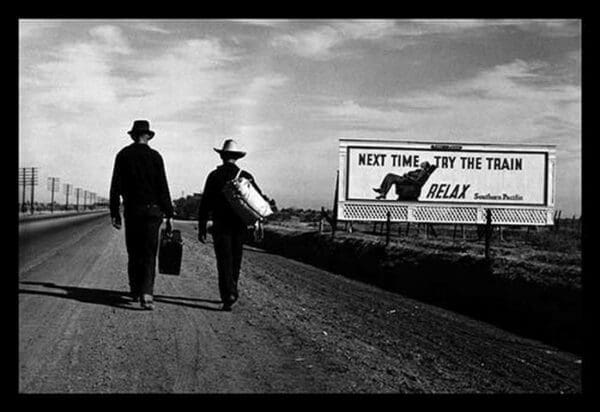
(227, 307)
(147, 302)
(377, 189)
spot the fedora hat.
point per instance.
(230, 147)
(139, 127)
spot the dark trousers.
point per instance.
(392, 179)
(228, 250)
(141, 238)
(406, 189)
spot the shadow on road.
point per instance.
(108, 297)
(186, 298)
(251, 249)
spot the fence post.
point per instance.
(432, 230)
(388, 227)
(488, 232)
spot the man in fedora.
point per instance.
(139, 177)
(228, 230)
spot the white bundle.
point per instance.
(245, 200)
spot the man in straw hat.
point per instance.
(139, 177)
(228, 230)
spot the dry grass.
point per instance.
(529, 290)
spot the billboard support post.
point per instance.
(335, 206)
(388, 228)
(488, 232)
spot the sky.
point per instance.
(287, 91)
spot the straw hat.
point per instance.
(230, 147)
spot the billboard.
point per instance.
(476, 176)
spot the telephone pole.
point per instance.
(23, 182)
(77, 193)
(28, 176)
(33, 184)
(68, 187)
(53, 186)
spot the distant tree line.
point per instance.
(186, 208)
(41, 206)
(292, 213)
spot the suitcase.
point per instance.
(169, 252)
(245, 200)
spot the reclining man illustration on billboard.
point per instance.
(408, 186)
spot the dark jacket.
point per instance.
(139, 176)
(214, 201)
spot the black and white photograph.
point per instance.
(299, 206)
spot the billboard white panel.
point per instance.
(454, 175)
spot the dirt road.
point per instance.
(296, 328)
